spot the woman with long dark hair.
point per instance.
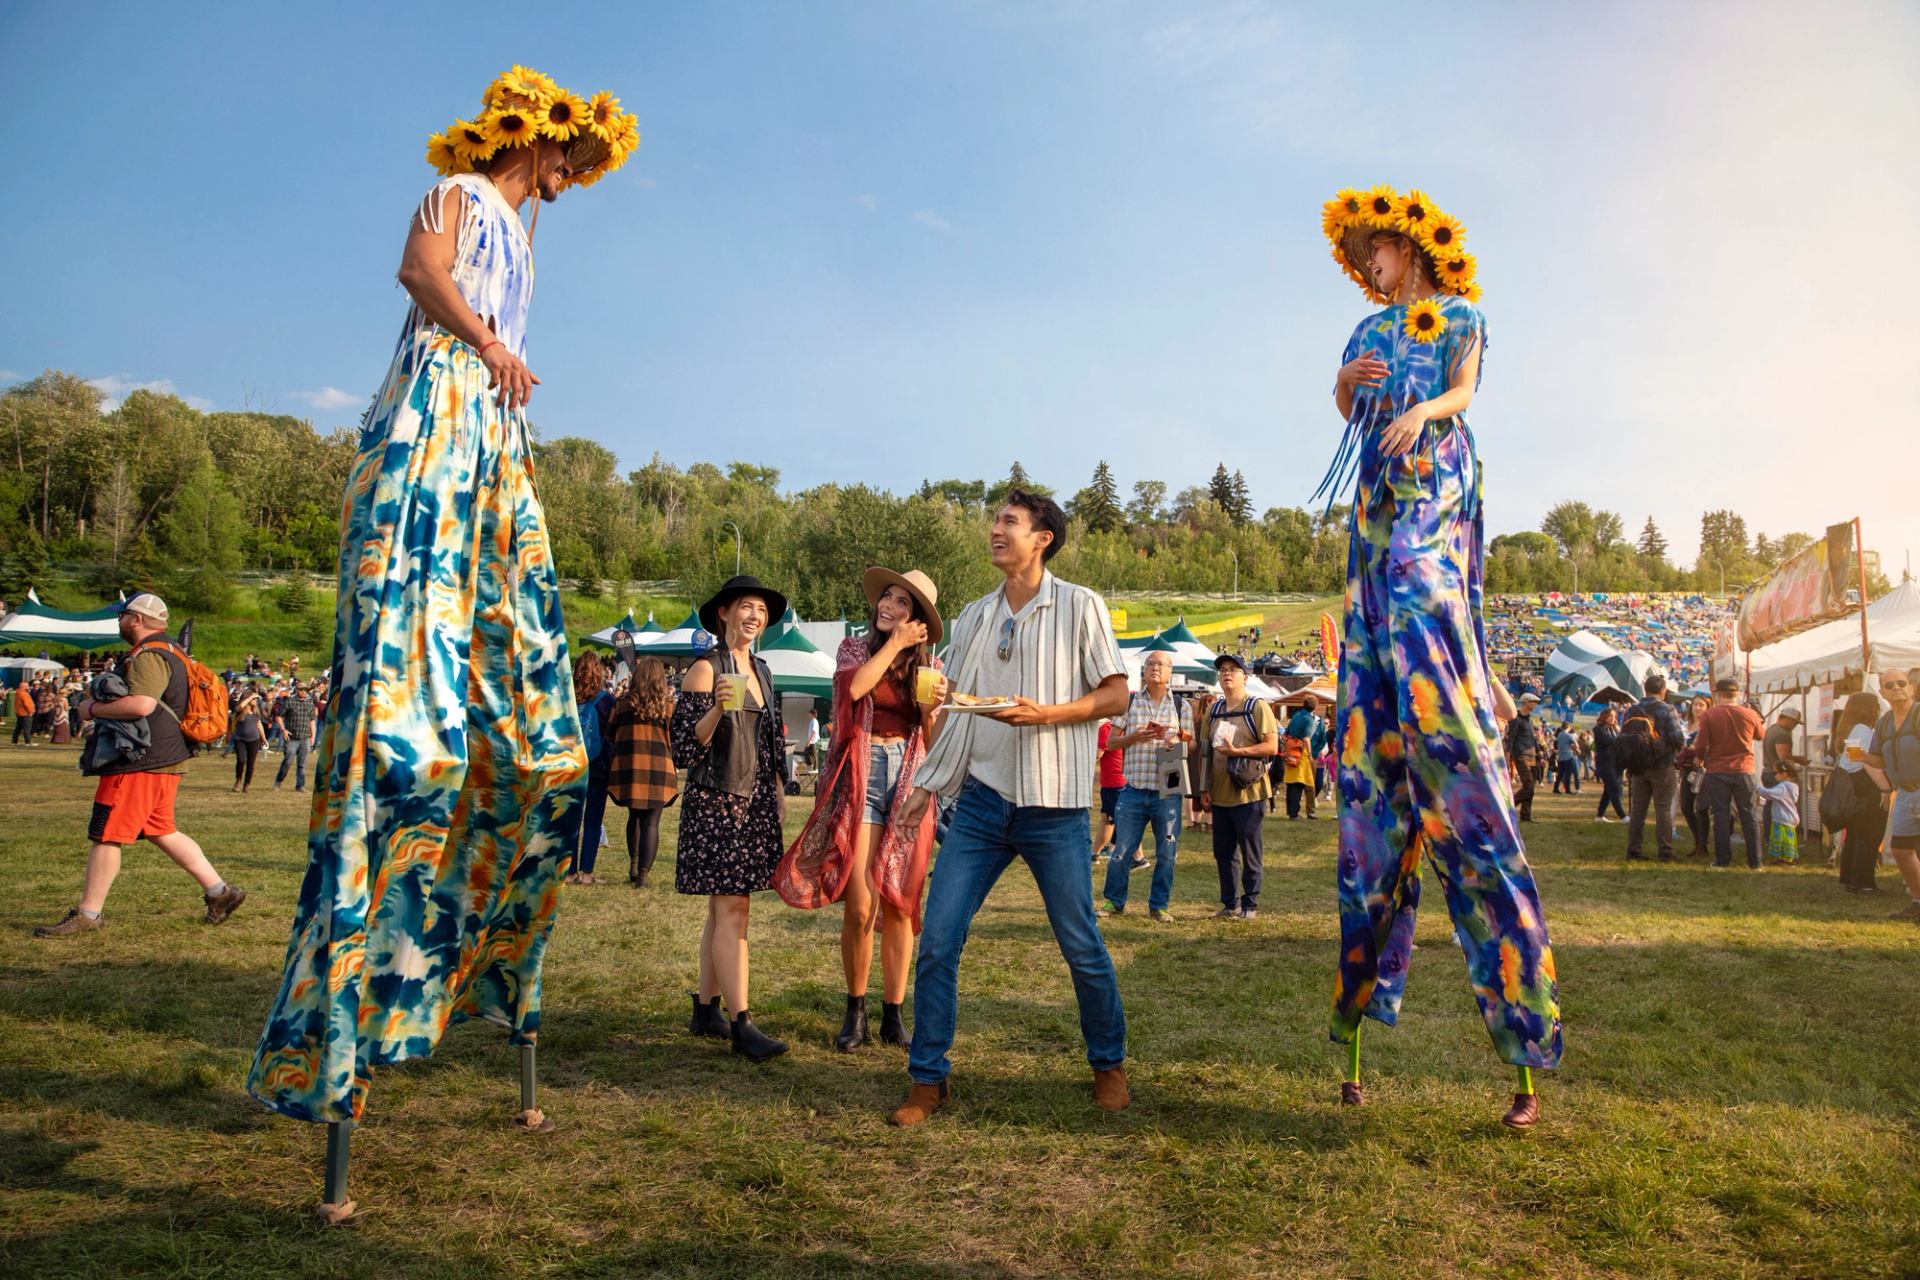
(1692, 774)
(1604, 732)
(249, 735)
(887, 695)
(640, 773)
(1420, 765)
(596, 704)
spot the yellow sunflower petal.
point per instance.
(470, 141)
(1424, 321)
(510, 127)
(1456, 269)
(1413, 212)
(441, 155)
(603, 115)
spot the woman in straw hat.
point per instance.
(727, 735)
(1420, 767)
(446, 799)
(887, 695)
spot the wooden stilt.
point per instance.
(336, 1208)
(530, 1118)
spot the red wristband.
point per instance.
(483, 346)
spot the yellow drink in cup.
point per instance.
(925, 680)
(1856, 752)
(733, 692)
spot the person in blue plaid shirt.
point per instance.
(1153, 734)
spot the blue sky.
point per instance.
(880, 242)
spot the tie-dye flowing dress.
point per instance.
(447, 800)
(1419, 761)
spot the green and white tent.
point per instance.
(797, 666)
(33, 623)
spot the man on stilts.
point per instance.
(1420, 770)
(447, 788)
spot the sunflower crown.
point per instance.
(1350, 219)
(523, 106)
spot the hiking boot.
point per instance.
(72, 922)
(1226, 913)
(1110, 1089)
(1909, 912)
(1524, 1113)
(223, 904)
(1160, 915)
(752, 1043)
(1351, 1095)
(922, 1101)
(893, 1028)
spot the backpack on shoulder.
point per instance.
(205, 721)
(1638, 748)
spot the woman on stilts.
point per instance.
(1420, 771)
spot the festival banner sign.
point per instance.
(1807, 590)
(1726, 650)
(1330, 645)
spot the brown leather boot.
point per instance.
(922, 1101)
(1351, 1094)
(1110, 1089)
(1525, 1112)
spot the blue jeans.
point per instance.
(1136, 811)
(296, 759)
(986, 835)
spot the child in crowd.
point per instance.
(1783, 815)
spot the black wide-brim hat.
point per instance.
(743, 585)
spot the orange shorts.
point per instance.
(127, 806)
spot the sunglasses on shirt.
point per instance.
(1006, 639)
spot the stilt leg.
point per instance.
(530, 1118)
(1526, 1079)
(336, 1208)
(1350, 1094)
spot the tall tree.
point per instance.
(1239, 504)
(1098, 505)
(1653, 544)
(1220, 488)
(1149, 499)
(1573, 526)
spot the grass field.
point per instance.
(1738, 1099)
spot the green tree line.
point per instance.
(156, 494)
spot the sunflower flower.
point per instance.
(1456, 269)
(1378, 206)
(562, 116)
(1413, 213)
(1443, 234)
(441, 155)
(510, 127)
(603, 115)
(1424, 322)
(470, 141)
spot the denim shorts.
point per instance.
(883, 775)
(1904, 824)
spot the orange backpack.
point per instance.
(206, 718)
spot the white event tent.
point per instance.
(1831, 651)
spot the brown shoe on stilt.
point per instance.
(922, 1101)
(1110, 1091)
(1525, 1112)
(223, 904)
(1351, 1094)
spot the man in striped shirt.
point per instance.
(1023, 777)
(1153, 736)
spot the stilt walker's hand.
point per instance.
(512, 381)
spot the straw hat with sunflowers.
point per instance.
(520, 108)
(1352, 218)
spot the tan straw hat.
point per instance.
(916, 584)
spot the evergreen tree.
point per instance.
(316, 632)
(1017, 476)
(1239, 504)
(1220, 488)
(1098, 505)
(1653, 544)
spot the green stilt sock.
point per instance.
(1526, 1079)
(1353, 1058)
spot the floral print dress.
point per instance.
(1419, 760)
(729, 844)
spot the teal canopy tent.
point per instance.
(33, 623)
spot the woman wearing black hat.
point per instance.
(727, 735)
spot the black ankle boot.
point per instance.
(853, 1032)
(708, 1020)
(751, 1041)
(892, 1029)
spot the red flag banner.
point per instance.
(1807, 590)
(1330, 645)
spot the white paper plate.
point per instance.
(980, 706)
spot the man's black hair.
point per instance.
(1656, 683)
(1043, 513)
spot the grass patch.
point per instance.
(1738, 1097)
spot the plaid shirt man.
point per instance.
(1147, 763)
(296, 715)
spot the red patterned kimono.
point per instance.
(817, 867)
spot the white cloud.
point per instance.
(934, 222)
(867, 202)
(12, 375)
(118, 386)
(327, 398)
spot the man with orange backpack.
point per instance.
(1650, 737)
(181, 705)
